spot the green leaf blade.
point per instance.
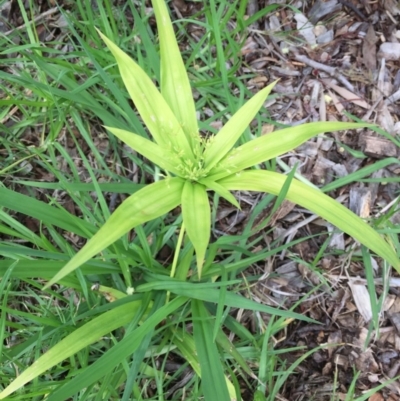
(212, 374)
(152, 107)
(155, 153)
(175, 85)
(186, 345)
(317, 202)
(206, 292)
(144, 205)
(76, 341)
(119, 352)
(272, 145)
(197, 218)
(223, 142)
(220, 190)
(44, 212)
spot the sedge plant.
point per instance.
(192, 166)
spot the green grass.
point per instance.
(100, 350)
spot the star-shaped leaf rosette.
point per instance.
(194, 165)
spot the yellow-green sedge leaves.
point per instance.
(147, 204)
(197, 218)
(152, 107)
(223, 142)
(272, 145)
(317, 202)
(220, 190)
(175, 86)
(155, 153)
(76, 341)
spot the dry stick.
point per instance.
(13, 110)
(393, 281)
(387, 207)
(367, 115)
(394, 97)
(187, 376)
(285, 109)
(330, 70)
(36, 19)
(354, 9)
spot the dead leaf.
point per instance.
(346, 94)
(369, 48)
(376, 397)
(362, 300)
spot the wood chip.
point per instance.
(362, 300)
(337, 239)
(395, 319)
(364, 359)
(377, 147)
(389, 51)
(322, 170)
(334, 340)
(369, 48)
(284, 209)
(306, 28)
(320, 9)
(360, 201)
(376, 397)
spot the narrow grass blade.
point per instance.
(14, 228)
(152, 107)
(186, 345)
(197, 218)
(116, 187)
(359, 174)
(223, 341)
(5, 287)
(221, 310)
(79, 339)
(116, 354)
(145, 205)
(155, 284)
(282, 376)
(279, 199)
(220, 190)
(77, 27)
(212, 374)
(47, 214)
(272, 145)
(73, 92)
(317, 202)
(175, 85)
(155, 153)
(206, 292)
(369, 395)
(147, 39)
(256, 16)
(48, 268)
(215, 17)
(265, 359)
(369, 273)
(223, 142)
